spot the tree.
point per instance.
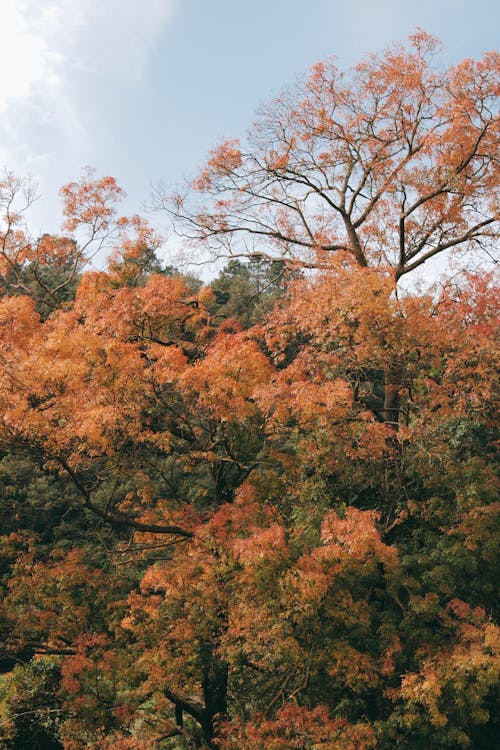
(246, 291)
(284, 567)
(47, 268)
(393, 163)
(335, 579)
(282, 536)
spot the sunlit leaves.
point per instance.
(392, 162)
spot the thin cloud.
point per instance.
(59, 61)
(25, 57)
(52, 51)
(112, 38)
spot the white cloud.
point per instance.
(52, 51)
(24, 56)
(105, 37)
(54, 55)
(45, 42)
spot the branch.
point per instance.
(444, 246)
(197, 712)
(119, 521)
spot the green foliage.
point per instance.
(30, 711)
(246, 291)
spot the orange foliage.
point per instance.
(322, 481)
(297, 727)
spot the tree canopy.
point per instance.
(393, 162)
(261, 513)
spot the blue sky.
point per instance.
(142, 89)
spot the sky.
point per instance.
(142, 89)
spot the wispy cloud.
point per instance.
(50, 50)
(112, 38)
(25, 57)
(54, 54)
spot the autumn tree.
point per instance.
(48, 268)
(277, 531)
(327, 579)
(393, 162)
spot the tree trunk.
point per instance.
(393, 379)
(215, 696)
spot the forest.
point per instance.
(261, 513)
